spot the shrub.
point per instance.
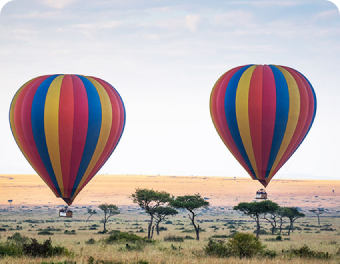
(217, 249)
(91, 241)
(124, 237)
(244, 245)
(10, 249)
(18, 239)
(72, 232)
(173, 238)
(35, 249)
(306, 252)
(45, 232)
(269, 253)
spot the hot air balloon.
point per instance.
(67, 126)
(262, 114)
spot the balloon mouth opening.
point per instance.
(264, 183)
(69, 201)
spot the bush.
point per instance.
(45, 233)
(18, 239)
(173, 238)
(35, 249)
(244, 245)
(306, 252)
(269, 253)
(217, 249)
(10, 249)
(91, 241)
(72, 232)
(123, 237)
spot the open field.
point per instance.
(221, 191)
(34, 210)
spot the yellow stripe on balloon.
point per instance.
(293, 116)
(242, 114)
(104, 130)
(51, 121)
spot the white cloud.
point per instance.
(99, 25)
(236, 17)
(58, 4)
(192, 21)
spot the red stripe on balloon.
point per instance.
(79, 128)
(66, 122)
(219, 117)
(255, 116)
(30, 149)
(268, 114)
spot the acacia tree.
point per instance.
(109, 210)
(161, 213)
(149, 201)
(272, 214)
(255, 210)
(317, 212)
(292, 213)
(191, 203)
(90, 212)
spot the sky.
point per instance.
(164, 57)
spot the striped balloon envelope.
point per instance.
(262, 113)
(67, 126)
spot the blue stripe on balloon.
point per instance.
(230, 112)
(281, 118)
(38, 129)
(93, 129)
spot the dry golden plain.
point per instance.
(221, 191)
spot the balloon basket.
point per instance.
(261, 194)
(65, 212)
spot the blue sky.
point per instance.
(164, 57)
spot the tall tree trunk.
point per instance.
(318, 219)
(149, 227)
(257, 219)
(197, 228)
(292, 226)
(153, 227)
(104, 220)
(197, 232)
(157, 228)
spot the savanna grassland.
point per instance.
(176, 242)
